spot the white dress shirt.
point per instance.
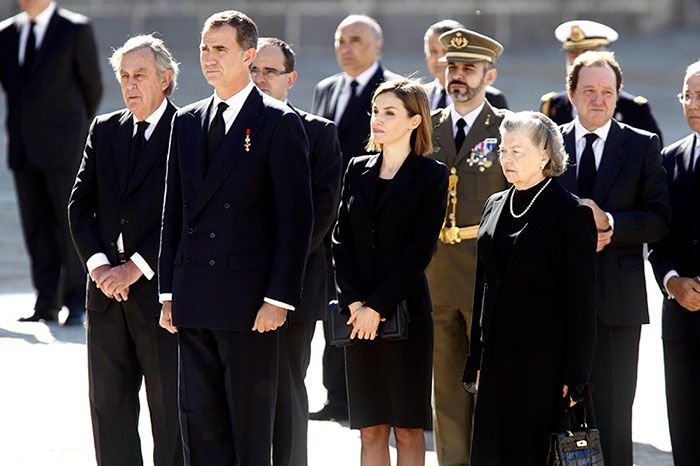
(344, 96)
(469, 118)
(100, 258)
(438, 94)
(674, 273)
(40, 26)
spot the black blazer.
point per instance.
(239, 232)
(546, 296)
(631, 185)
(630, 110)
(680, 249)
(326, 171)
(105, 201)
(495, 97)
(353, 129)
(48, 112)
(380, 254)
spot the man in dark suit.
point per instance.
(346, 99)
(676, 262)
(115, 212)
(51, 77)
(438, 95)
(236, 226)
(465, 136)
(618, 174)
(580, 36)
(273, 72)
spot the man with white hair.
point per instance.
(346, 99)
(115, 214)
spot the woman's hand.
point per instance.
(565, 393)
(365, 322)
(353, 307)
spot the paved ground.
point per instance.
(44, 417)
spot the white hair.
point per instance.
(164, 59)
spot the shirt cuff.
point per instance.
(163, 297)
(611, 220)
(669, 275)
(143, 266)
(286, 306)
(96, 260)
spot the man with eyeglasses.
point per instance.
(676, 263)
(273, 72)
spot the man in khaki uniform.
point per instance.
(466, 138)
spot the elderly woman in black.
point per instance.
(534, 304)
(391, 211)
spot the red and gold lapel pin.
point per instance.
(246, 145)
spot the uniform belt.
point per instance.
(469, 232)
(454, 235)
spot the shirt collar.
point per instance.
(438, 87)
(154, 117)
(469, 118)
(581, 131)
(236, 100)
(43, 18)
(363, 78)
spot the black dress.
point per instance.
(519, 403)
(380, 254)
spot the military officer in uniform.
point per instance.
(465, 137)
(580, 36)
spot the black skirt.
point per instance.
(518, 405)
(389, 382)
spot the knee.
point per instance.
(375, 435)
(408, 438)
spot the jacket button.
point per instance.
(190, 230)
(111, 243)
(188, 259)
(212, 262)
(227, 206)
(694, 242)
(185, 202)
(212, 235)
(123, 221)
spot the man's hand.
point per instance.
(269, 317)
(120, 277)
(365, 322)
(602, 222)
(686, 292)
(98, 275)
(565, 393)
(604, 238)
(166, 317)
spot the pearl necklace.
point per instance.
(531, 202)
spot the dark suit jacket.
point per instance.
(240, 231)
(680, 249)
(382, 247)
(326, 171)
(495, 97)
(353, 129)
(630, 110)
(631, 185)
(48, 112)
(546, 296)
(106, 201)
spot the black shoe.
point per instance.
(328, 413)
(38, 316)
(75, 318)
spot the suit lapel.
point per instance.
(444, 140)
(155, 147)
(231, 148)
(402, 179)
(688, 152)
(483, 127)
(611, 161)
(120, 149)
(568, 178)
(47, 42)
(487, 232)
(332, 102)
(14, 59)
(368, 182)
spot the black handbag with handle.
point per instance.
(576, 444)
(394, 328)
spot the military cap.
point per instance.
(584, 35)
(468, 46)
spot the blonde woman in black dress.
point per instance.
(392, 207)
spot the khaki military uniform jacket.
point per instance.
(451, 273)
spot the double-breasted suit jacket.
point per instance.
(238, 232)
(108, 201)
(381, 247)
(451, 272)
(631, 185)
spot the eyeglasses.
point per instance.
(687, 98)
(267, 72)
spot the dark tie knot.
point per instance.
(591, 138)
(141, 128)
(32, 23)
(221, 108)
(461, 124)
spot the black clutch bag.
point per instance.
(394, 328)
(577, 445)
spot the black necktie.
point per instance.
(30, 49)
(137, 144)
(461, 134)
(442, 103)
(216, 132)
(352, 100)
(586, 169)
